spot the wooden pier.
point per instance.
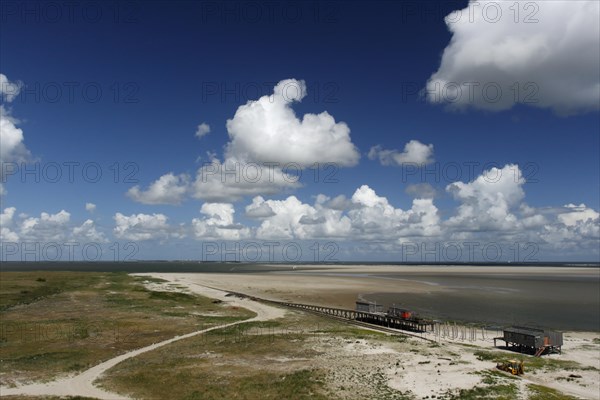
(414, 325)
(379, 321)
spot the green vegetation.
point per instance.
(301, 385)
(498, 391)
(173, 296)
(61, 322)
(29, 287)
(491, 377)
(532, 364)
(494, 385)
(252, 360)
(498, 384)
(248, 361)
(349, 331)
(538, 392)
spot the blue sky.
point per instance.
(124, 89)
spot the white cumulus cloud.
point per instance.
(168, 189)
(489, 201)
(267, 141)
(577, 214)
(202, 130)
(12, 147)
(573, 232)
(138, 227)
(366, 216)
(414, 152)
(218, 223)
(293, 219)
(6, 224)
(268, 130)
(46, 227)
(87, 232)
(376, 218)
(259, 209)
(547, 55)
(232, 180)
(9, 90)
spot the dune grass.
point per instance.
(538, 392)
(252, 360)
(53, 323)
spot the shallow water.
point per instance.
(554, 301)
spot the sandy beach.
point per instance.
(549, 297)
(424, 372)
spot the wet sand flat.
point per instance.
(565, 298)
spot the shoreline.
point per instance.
(484, 296)
(422, 376)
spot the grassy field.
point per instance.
(61, 322)
(255, 360)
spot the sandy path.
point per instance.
(83, 383)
